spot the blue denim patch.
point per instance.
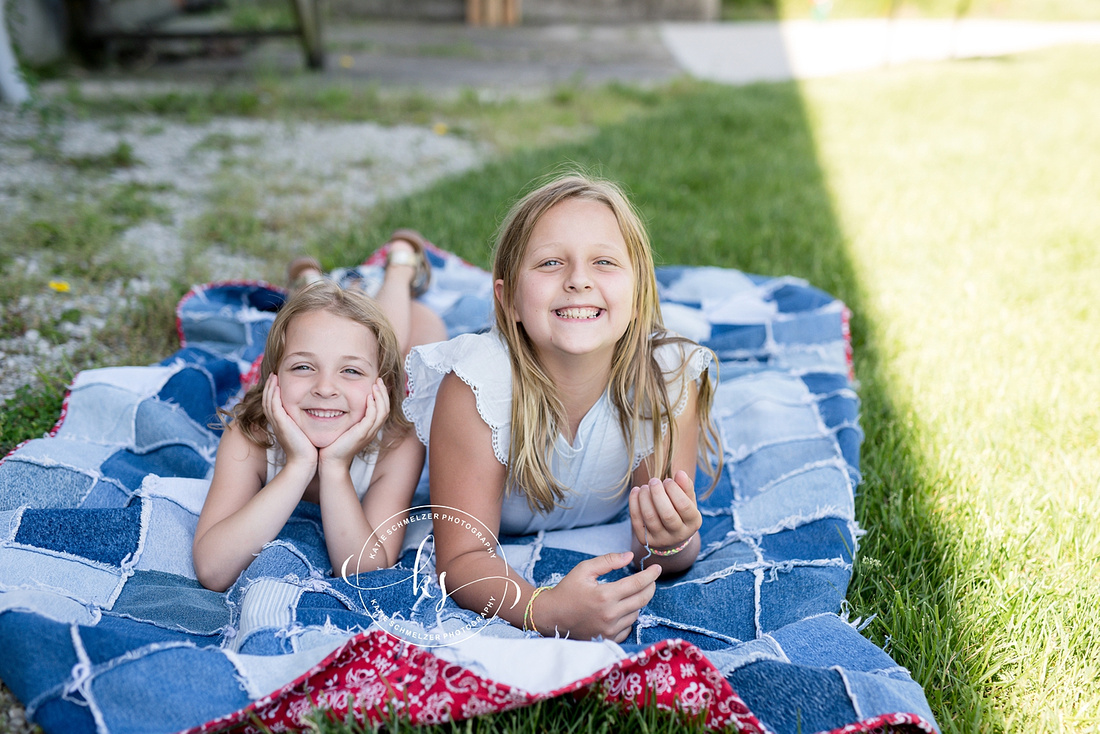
(130, 468)
(100, 414)
(793, 698)
(108, 536)
(825, 640)
(106, 493)
(838, 410)
(812, 328)
(173, 602)
(38, 654)
(768, 463)
(693, 605)
(176, 682)
(157, 423)
(225, 373)
(831, 535)
(735, 337)
(23, 483)
(193, 390)
(874, 695)
(797, 297)
(788, 595)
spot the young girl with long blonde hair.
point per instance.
(547, 421)
(318, 427)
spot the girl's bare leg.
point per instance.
(414, 323)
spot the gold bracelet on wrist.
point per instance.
(528, 614)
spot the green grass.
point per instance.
(565, 715)
(33, 412)
(953, 207)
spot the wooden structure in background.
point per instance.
(96, 24)
(493, 12)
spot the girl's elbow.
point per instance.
(210, 578)
(209, 572)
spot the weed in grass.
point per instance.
(225, 142)
(257, 15)
(121, 156)
(132, 202)
(231, 220)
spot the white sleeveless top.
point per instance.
(592, 467)
(361, 469)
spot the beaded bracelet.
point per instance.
(670, 551)
(659, 552)
(528, 617)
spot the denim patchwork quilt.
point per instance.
(104, 628)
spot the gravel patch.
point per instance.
(329, 171)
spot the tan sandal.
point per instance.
(422, 278)
(298, 273)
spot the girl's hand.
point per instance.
(288, 434)
(583, 608)
(664, 514)
(355, 439)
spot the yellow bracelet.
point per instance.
(528, 616)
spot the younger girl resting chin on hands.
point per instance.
(547, 421)
(317, 427)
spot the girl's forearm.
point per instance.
(227, 547)
(484, 583)
(348, 533)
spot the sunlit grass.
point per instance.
(967, 200)
(1044, 10)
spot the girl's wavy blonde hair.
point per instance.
(637, 384)
(357, 306)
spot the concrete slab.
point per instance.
(740, 53)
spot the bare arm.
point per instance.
(357, 531)
(349, 524)
(663, 510)
(240, 513)
(465, 474)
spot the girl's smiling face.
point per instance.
(328, 367)
(574, 293)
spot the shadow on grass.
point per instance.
(730, 177)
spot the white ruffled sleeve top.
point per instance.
(592, 468)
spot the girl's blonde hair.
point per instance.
(357, 306)
(637, 383)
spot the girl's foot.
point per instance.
(301, 271)
(407, 247)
